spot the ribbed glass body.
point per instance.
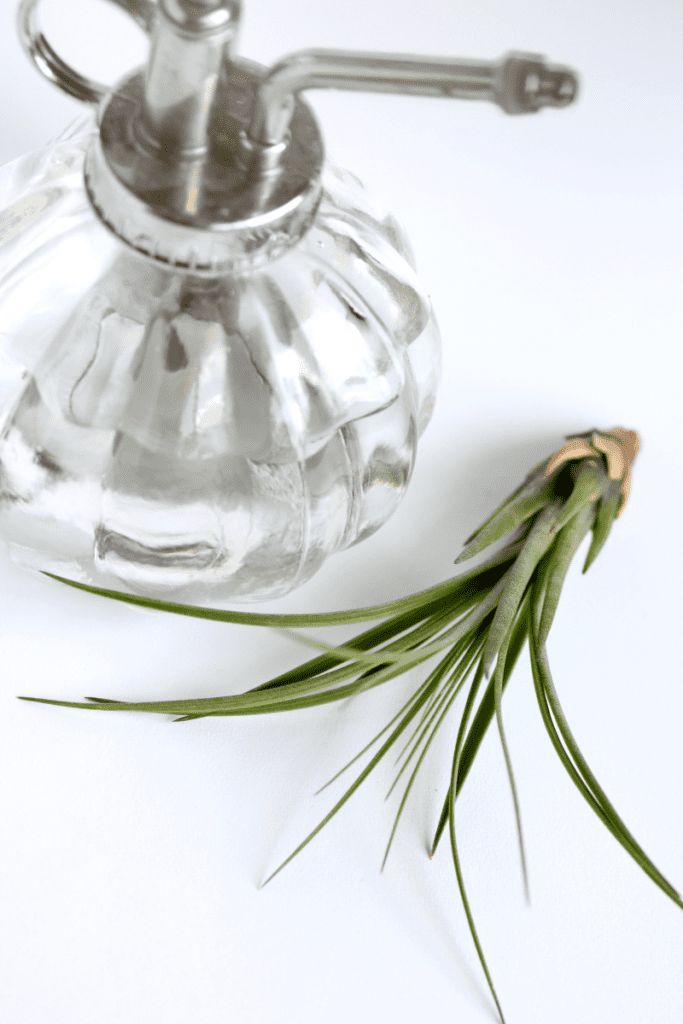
(201, 438)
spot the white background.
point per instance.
(131, 849)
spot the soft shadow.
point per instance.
(493, 470)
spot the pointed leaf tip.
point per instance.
(605, 516)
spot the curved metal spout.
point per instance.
(520, 83)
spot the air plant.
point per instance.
(478, 622)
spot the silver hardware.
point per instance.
(51, 65)
(520, 83)
(211, 163)
(191, 42)
(199, 212)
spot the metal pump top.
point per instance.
(210, 163)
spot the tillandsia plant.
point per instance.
(477, 621)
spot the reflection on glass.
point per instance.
(202, 438)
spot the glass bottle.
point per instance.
(215, 357)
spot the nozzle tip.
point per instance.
(527, 83)
(551, 87)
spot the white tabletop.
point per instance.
(131, 848)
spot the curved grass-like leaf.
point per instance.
(590, 483)
(455, 683)
(516, 579)
(418, 601)
(482, 616)
(576, 766)
(485, 712)
(568, 540)
(497, 703)
(534, 481)
(605, 516)
(451, 825)
(388, 743)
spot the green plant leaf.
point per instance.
(477, 618)
(533, 482)
(577, 768)
(559, 559)
(590, 482)
(484, 713)
(607, 510)
(517, 577)
(452, 790)
(421, 599)
(497, 702)
(509, 518)
(388, 743)
(454, 684)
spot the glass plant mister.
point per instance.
(215, 357)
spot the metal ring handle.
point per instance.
(51, 65)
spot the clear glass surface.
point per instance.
(202, 439)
